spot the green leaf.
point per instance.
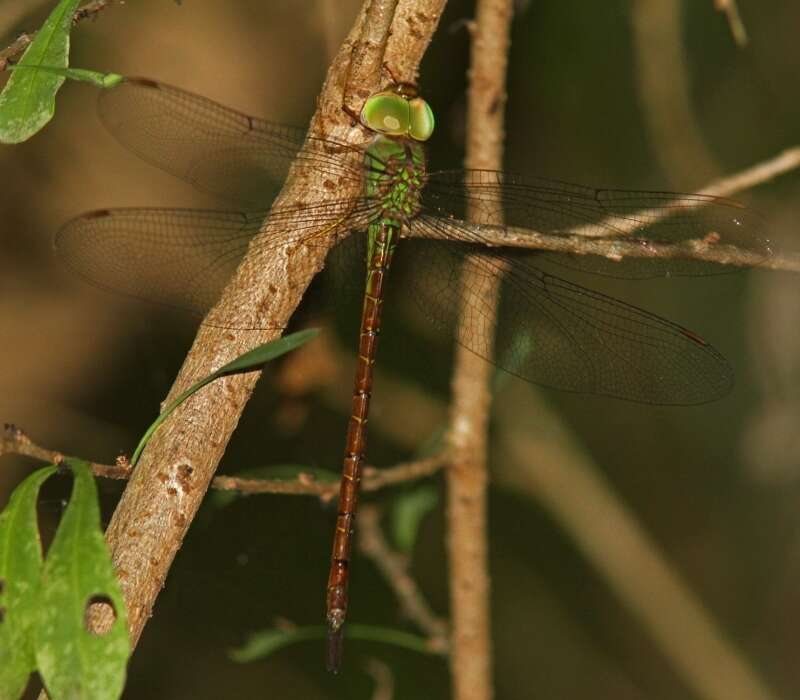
(28, 100)
(262, 644)
(20, 570)
(249, 360)
(266, 642)
(73, 662)
(277, 472)
(81, 75)
(408, 510)
(266, 352)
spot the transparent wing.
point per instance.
(183, 257)
(558, 334)
(215, 148)
(563, 209)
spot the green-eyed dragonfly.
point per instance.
(553, 332)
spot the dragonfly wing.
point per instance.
(182, 258)
(558, 334)
(562, 209)
(217, 149)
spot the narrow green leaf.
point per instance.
(408, 510)
(73, 662)
(266, 352)
(28, 100)
(20, 570)
(262, 644)
(249, 360)
(278, 472)
(81, 75)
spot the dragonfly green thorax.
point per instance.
(395, 160)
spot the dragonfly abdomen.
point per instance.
(382, 241)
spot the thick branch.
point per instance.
(178, 465)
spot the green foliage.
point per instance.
(44, 606)
(74, 662)
(408, 510)
(250, 360)
(20, 570)
(262, 644)
(28, 100)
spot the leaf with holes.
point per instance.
(20, 568)
(74, 662)
(28, 100)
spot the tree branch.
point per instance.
(584, 241)
(176, 468)
(467, 476)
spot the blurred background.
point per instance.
(651, 94)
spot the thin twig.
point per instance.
(467, 476)
(14, 440)
(382, 674)
(584, 240)
(12, 52)
(731, 10)
(394, 567)
(373, 479)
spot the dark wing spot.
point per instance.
(145, 82)
(691, 335)
(97, 214)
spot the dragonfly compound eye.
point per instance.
(422, 120)
(387, 113)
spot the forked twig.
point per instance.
(394, 567)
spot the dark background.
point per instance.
(715, 487)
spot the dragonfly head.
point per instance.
(399, 112)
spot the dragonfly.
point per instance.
(551, 331)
